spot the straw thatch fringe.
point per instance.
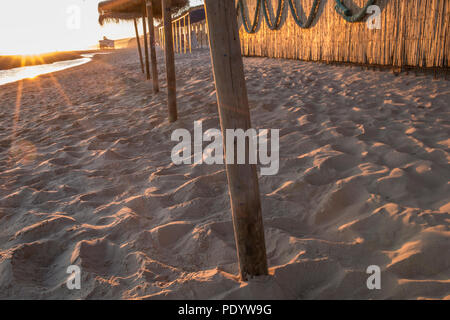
(126, 10)
(116, 17)
(414, 33)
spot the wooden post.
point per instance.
(170, 62)
(190, 39)
(138, 45)
(177, 26)
(159, 37)
(179, 37)
(174, 36)
(151, 32)
(184, 35)
(144, 26)
(234, 114)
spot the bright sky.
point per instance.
(37, 26)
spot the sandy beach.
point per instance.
(86, 179)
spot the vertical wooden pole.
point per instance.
(189, 35)
(184, 35)
(170, 62)
(138, 45)
(151, 32)
(177, 24)
(179, 37)
(174, 36)
(159, 37)
(234, 114)
(144, 26)
(180, 40)
(180, 50)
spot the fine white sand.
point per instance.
(86, 178)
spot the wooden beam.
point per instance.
(170, 62)
(151, 32)
(138, 45)
(234, 114)
(144, 26)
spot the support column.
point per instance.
(234, 114)
(144, 26)
(190, 39)
(151, 32)
(138, 45)
(170, 62)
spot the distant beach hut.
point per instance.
(106, 43)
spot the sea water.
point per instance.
(29, 72)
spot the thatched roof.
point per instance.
(116, 17)
(124, 10)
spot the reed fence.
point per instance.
(413, 33)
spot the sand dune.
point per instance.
(86, 178)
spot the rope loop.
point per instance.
(254, 26)
(275, 23)
(278, 16)
(347, 14)
(311, 17)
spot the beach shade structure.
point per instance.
(123, 10)
(108, 15)
(131, 10)
(234, 114)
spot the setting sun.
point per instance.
(60, 26)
